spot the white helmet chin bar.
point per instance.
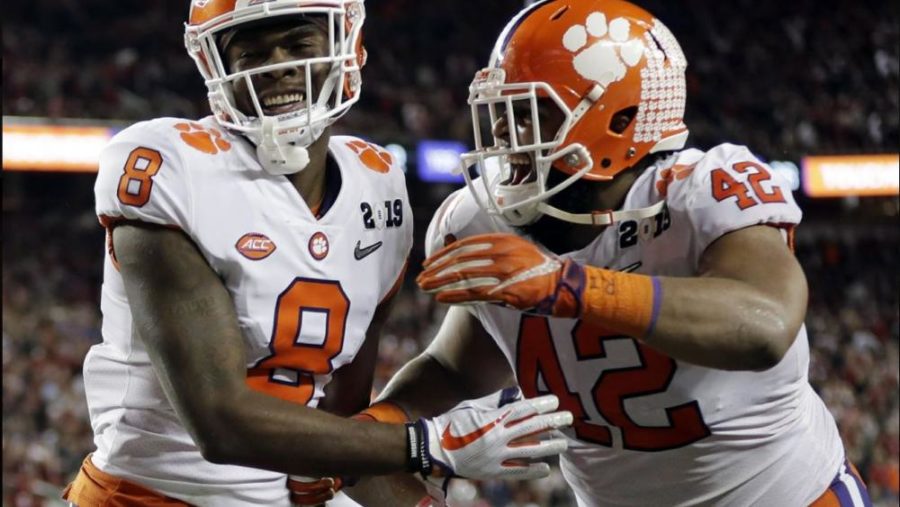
(524, 203)
(276, 153)
(282, 139)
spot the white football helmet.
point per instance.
(281, 139)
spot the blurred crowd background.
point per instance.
(786, 78)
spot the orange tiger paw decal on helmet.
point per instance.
(207, 140)
(372, 156)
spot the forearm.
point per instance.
(708, 321)
(260, 431)
(737, 313)
(424, 388)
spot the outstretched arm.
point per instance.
(742, 311)
(186, 320)
(463, 362)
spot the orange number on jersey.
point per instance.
(758, 177)
(612, 387)
(287, 373)
(724, 186)
(537, 356)
(137, 181)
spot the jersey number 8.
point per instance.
(288, 372)
(137, 181)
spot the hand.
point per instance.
(497, 443)
(505, 269)
(312, 492)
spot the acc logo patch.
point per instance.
(255, 246)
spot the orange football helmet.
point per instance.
(211, 18)
(592, 59)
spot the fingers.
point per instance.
(531, 406)
(309, 492)
(480, 279)
(524, 473)
(312, 500)
(501, 242)
(298, 485)
(541, 449)
(544, 404)
(472, 244)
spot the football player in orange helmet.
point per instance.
(652, 288)
(237, 295)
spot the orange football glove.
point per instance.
(505, 269)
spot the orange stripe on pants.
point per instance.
(829, 499)
(93, 487)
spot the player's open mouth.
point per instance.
(283, 103)
(521, 169)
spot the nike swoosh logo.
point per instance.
(452, 442)
(360, 253)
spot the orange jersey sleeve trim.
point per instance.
(109, 222)
(385, 412)
(93, 486)
(789, 230)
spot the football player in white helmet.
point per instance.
(252, 260)
(652, 288)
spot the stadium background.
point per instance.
(789, 79)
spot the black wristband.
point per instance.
(417, 448)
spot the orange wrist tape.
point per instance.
(621, 302)
(385, 412)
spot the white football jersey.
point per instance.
(650, 430)
(304, 289)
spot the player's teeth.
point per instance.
(286, 98)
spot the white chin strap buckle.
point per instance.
(278, 156)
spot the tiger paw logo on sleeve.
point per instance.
(206, 139)
(372, 156)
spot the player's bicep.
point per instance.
(759, 257)
(184, 317)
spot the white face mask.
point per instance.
(282, 139)
(276, 152)
(520, 203)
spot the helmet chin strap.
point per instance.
(601, 218)
(280, 156)
(276, 155)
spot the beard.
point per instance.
(582, 196)
(560, 236)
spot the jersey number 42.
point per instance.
(537, 357)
